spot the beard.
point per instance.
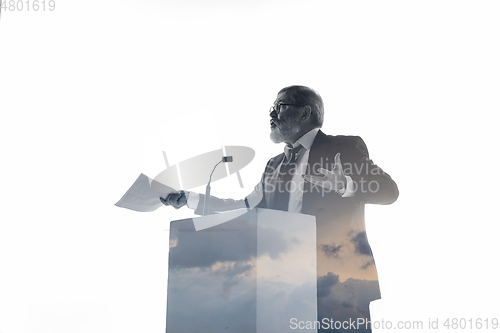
(283, 132)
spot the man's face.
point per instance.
(285, 124)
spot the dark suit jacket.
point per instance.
(343, 247)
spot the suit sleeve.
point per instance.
(371, 183)
(216, 205)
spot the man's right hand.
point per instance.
(175, 199)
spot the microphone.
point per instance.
(225, 159)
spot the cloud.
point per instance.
(330, 250)
(325, 283)
(271, 242)
(196, 304)
(347, 304)
(190, 310)
(345, 300)
(361, 245)
(233, 274)
(234, 270)
(208, 311)
(368, 264)
(229, 242)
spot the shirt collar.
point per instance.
(307, 139)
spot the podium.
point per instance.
(242, 271)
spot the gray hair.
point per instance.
(306, 96)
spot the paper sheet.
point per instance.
(144, 195)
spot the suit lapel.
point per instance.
(321, 156)
(317, 151)
(271, 178)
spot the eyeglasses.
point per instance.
(277, 107)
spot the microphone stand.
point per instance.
(225, 159)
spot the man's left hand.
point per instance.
(175, 199)
(332, 180)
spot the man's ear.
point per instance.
(306, 114)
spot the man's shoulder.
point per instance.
(339, 139)
(322, 139)
(344, 144)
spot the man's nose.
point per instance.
(273, 114)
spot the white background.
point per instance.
(91, 92)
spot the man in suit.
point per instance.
(330, 177)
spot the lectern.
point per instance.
(242, 271)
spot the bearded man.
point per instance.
(330, 177)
